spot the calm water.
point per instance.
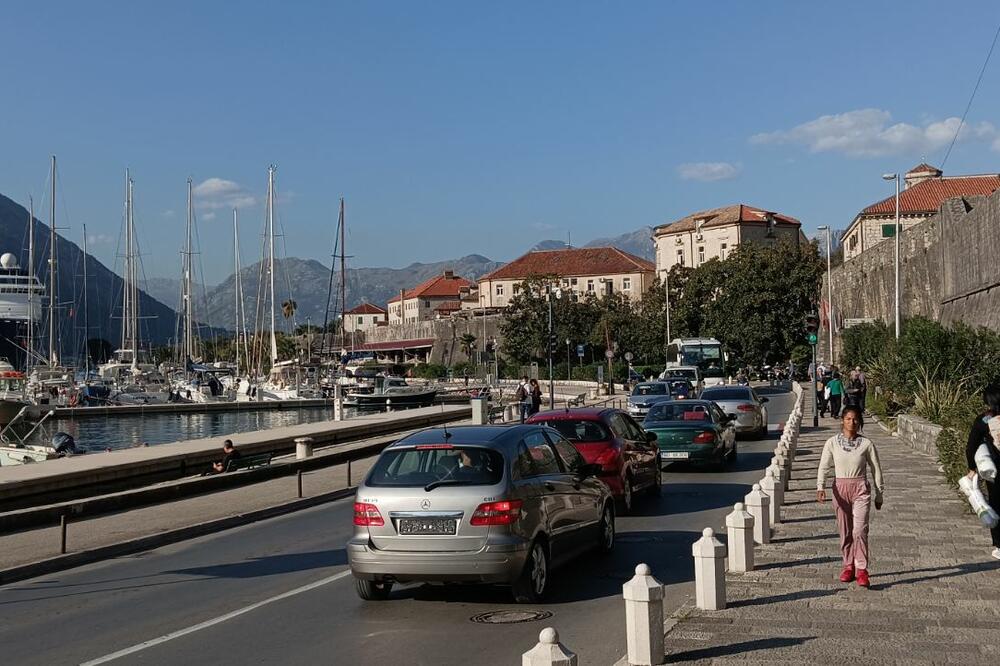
(122, 432)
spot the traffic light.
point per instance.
(553, 343)
(812, 328)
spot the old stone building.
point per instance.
(364, 317)
(428, 298)
(924, 189)
(713, 234)
(580, 271)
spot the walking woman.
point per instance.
(851, 454)
(980, 434)
(536, 396)
(836, 388)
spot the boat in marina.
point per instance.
(13, 396)
(395, 393)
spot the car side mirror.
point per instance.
(650, 437)
(763, 400)
(731, 417)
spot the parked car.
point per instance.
(477, 504)
(692, 430)
(751, 414)
(612, 439)
(643, 394)
(689, 372)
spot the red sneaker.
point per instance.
(862, 578)
(847, 575)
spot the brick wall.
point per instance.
(918, 433)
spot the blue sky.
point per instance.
(470, 127)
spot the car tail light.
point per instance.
(744, 408)
(504, 512)
(706, 437)
(367, 515)
(608, 459)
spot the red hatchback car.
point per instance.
(628, 455)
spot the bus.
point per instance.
(706, 354)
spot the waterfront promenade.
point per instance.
(934, 596)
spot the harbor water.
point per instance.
(124, 431)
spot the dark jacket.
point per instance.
(980, 434)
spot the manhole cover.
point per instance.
(510, 617)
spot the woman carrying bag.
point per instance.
(980, 435)
(851, 454)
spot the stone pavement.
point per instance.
(935, 594)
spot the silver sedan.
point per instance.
(743, 401)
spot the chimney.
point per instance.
(920, 173)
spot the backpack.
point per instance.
(521, 393)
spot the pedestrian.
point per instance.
(229, 454)
(835, 387)
(522, 396)
(821, 395)
(852, 388)
(851, 454)
(535, 395)
(863, 379)
(978, 435)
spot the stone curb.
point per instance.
(72, 560)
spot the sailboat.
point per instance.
(134, 379)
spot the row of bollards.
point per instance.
(748, 525)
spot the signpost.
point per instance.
(610, 355)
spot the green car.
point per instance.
(692, 431)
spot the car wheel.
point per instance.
(606, 535)
(732, 454)
(628, 496)
(371, 590)
(657, 488)
(529, 588)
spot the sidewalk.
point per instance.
(935, 594)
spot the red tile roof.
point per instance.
(449, 306)
(928, 195)
(397, 345)
(446, 285)
(572, 262)
(721, 217)
(365, 308)
(923, 167)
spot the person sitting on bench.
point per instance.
(229, 454)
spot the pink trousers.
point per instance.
(852, 498)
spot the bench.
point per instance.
(250, 462)
(577, 401)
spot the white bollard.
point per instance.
(758, 504)
(388, 404)
(549, 651)
(709, 571)
(338, 402)
(303, 447)
(771, 486)
(644, 617)
(739, 529)
(480, 411)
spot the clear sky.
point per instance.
(472, 127)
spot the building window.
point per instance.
(572, 282)
(499, 290)
(722, 251)
(361, 321)
(680, 257)
(627, 284)
(889, 230)
(590, 286)
(516, 289)
(565, 282)
(852, 242)
(701, 254)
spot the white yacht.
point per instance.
(21, 295)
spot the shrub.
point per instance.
(430, 371)
(956, 421)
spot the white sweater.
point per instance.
(850, 458)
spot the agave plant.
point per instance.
(935, 397)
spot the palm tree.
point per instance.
(468, 342)
(288, 308)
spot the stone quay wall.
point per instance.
(917, 433)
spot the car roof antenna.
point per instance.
(447, 435)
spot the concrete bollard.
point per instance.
(771, 486)
(388, 404)
(303, 447)
(758, 504)
(549, 651)
(644, 617)
(739, 529)
(338, 402)
(709, 571)
(480, 409)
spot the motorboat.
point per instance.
(394, 393)
(13, 397)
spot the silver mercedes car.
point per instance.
(477, 504)
(743, 401)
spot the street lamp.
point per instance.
(666, 298)
(569, 362)
(829, 289)
(552, 296)
(895, 177)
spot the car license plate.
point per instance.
(674, 455)
(411, 526)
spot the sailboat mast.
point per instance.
(53, 295)
(189, 350)
(343, 276)
(134, 281)
(241, 323)
(270, 256)
(31, 284)
(86, 311)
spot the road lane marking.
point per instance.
(214, 621)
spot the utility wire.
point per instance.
(971, 97)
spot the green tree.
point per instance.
(468, 344)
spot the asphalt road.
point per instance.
(279, 591)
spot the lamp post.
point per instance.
(569, 362)
(666, 298)
(829, 289)
(553, 294)
(895, 177)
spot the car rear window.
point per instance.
(425, 464)
(681, 374)
(726, 394)
(657, 388)
(578, 430)
(678, 412)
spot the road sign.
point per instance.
(628, 356)
(579, 351)
(609, 354)
(812, 338)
